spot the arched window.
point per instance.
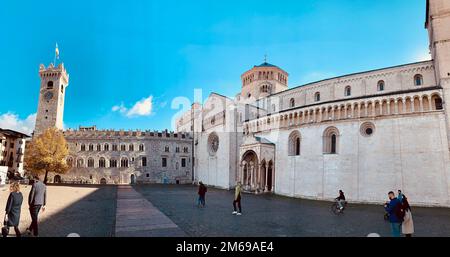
(50, 85)
(294, 143)
(437, 102)
(91, 163)
(333, 144)
(124, 163)
(102, 162)
(91, 147)
(99, 147)
(123, 147)
(348, 91)
(106, 147)
(317, 97)
(418, 80)
(292, 102)
(141, 147)
(331, 140)
(166, 149)
(62, 89)
(80, 163)
(131, 147)
(380, 85)
(114, 147)
(69, 162)
(113, 163)
(83, 147)
(265, 89)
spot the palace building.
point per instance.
(365, 133)
(110, 156)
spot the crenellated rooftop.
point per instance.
(92, 132)
(52, 71)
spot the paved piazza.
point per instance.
(169, 210)
(86, 210)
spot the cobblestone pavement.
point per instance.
(86, 210)
(270, 215)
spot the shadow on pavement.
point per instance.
(91, 216)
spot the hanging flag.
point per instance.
(57, 51)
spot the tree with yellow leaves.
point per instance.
(47, 153)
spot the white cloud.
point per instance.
(119, 108)
(12, 121)
(143, 107)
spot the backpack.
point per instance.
(400, 211)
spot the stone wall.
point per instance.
(407, 152)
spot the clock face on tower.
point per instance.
(48, 96)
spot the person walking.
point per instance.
(400, 196)
(237, 199)
(13, 207)
(407, 224)
(36, 201)
(202, 194)
(341, 200)
(392, 209)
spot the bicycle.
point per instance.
(336, 209)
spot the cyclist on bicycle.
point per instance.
(340, 200)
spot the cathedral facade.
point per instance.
(365, 133)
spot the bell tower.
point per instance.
(54, 81)
(438, 25)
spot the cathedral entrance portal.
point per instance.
(257, 172)
(249, 166)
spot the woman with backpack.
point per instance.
(407, 224)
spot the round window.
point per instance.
(213, 143)
(367, 129)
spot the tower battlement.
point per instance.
(52, 71)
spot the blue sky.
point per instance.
(125, 54)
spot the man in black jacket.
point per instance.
(36, 201)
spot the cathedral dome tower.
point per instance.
(263, 80)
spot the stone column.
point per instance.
(267, 176)
(252, 173)
(273, 177)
